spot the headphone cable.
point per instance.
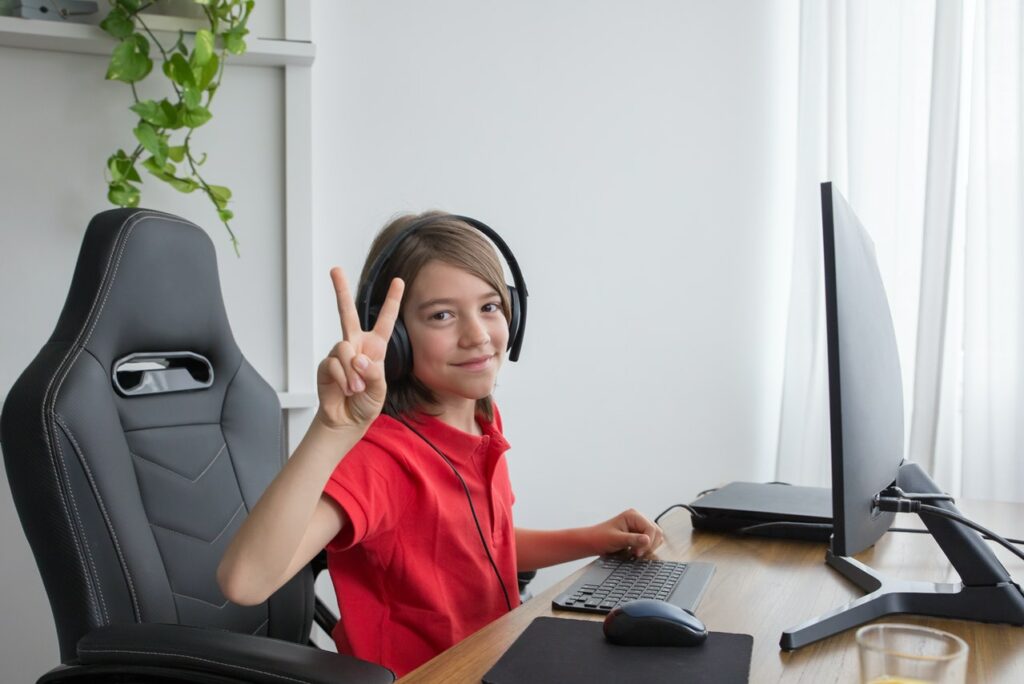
(469, 498)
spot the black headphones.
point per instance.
(398, 360)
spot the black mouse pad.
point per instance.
(565, 651)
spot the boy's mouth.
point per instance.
(476, 363)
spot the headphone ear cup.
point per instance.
(398, 359)
(514, 317)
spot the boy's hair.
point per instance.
(445, 239)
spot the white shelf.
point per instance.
(296, 400)
(59, 36)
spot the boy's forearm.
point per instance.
(542, 548)
(264, 546)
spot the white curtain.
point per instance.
(913, 110)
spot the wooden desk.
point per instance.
(762, 587)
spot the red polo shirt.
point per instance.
(410, 573)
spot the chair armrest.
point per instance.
(221, 654)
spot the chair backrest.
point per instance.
(139, 438)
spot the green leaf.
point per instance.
(225, 215)
(121, 167)
(130, 61)
(234, 39)
(118, 24)
(176, 153)
(194, 118)
(123, 194)
(203, 48)
(220, 195)
(129, 6)
(185, 185)
(156, 169)
(161, 114)
(192, 98)
(208, 73)
(178, 70)
(152, 142)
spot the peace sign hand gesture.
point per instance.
(350, 381)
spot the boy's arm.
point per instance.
(293, 519)
(290, 523)
(628, 530)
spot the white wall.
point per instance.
(637, 159)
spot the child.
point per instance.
(404, 480)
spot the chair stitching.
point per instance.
(199, 600)
(103, 511)
(189, 657)
(49, 404)
(124, 232)
(91, 581)
(50, 398)
(192, 536)
(165, 427)
(175, 472)
(254, 632)
(234, 470)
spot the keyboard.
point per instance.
(609, 581)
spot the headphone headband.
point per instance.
(364, 305)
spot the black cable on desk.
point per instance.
(694, 512)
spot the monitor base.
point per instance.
(1003, 603)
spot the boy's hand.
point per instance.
(350, 381)
(628, 531)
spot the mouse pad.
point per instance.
(565, 650)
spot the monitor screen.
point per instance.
(865, 384)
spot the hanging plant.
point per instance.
(194, 67)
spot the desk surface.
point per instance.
(762, 587)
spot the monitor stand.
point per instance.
(986, 593)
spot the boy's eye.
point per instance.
(491, 307)
(441, 316)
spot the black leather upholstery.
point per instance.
(128, 502)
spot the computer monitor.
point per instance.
(866, 421)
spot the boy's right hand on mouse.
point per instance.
(350, 381)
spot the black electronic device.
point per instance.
(768, 509)
(649, 622)
(398, 359)
(609, 581)
(868, 470)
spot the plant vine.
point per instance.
(194, 68)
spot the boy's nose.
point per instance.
(474, 333)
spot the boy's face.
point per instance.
(457, 330)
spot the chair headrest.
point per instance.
(146, 282)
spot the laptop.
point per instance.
(769, 510)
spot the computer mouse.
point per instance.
(648, 622)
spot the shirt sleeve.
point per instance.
(370, 486)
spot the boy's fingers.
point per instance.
(332, 368)
(346, 307)
(389, 311)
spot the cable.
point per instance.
(917, 530)
(899, 505)
(784, 524)
(690, 508)
(472, 508)
(943, 513)
(694, 512)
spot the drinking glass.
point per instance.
(892, 653)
